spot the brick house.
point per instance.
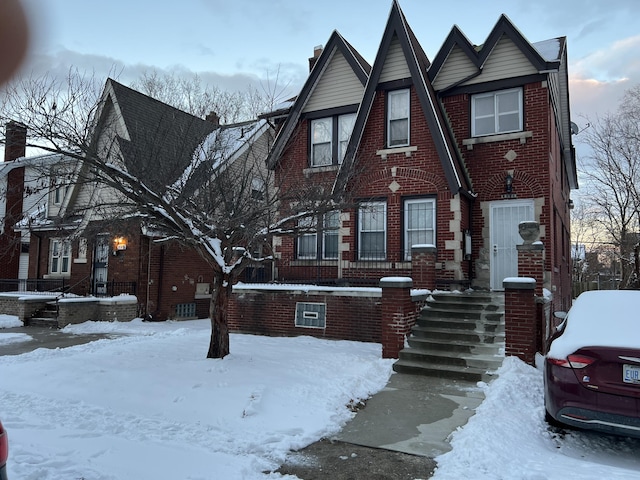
(79, 241)
(445, 157)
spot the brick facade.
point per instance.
(380, 315)
(164, 277)
(538, 174)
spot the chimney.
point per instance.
(317, 51)
(15, 141)
(214, 118)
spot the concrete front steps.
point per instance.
(458, 336)
(47, 317)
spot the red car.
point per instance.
(4, 452)
(592, 370)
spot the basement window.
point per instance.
(186, 310)
(311, 315)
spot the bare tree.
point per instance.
(612, 171)
(190, 94)
(225, 210)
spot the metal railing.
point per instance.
(113, 289)
(355, 272)
(34, 285)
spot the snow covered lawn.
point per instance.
(150, 406)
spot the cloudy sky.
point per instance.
(267, 42)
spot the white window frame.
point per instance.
(303, 253)
(430, 204)
(365, 209)
(346, 123)
(59, 257)
(316, 140)
(398, 116)
(329, 229)
(331, 226)
(496, 112)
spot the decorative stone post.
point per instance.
(531, 254)
(398, 314)
(423, 266)
(520, 313)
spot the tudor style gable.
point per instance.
(399, 74)
(321, 118)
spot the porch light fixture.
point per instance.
(119, 244)
(508, 183)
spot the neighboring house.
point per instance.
(24, 195)
(451, 155)
(81, 241)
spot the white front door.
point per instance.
(506, 215)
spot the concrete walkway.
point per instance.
(414, 414)
(43, 337)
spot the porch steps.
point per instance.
(458, 336)
(46, 317)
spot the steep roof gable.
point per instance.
(478, 57)
(360, 67)
(398, 33)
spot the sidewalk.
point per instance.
(413, 414)
(43, 337)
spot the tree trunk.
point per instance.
(219, 344)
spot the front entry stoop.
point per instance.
(46, 317)
(457, 336)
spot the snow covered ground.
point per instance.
(148, 405)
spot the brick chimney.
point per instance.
(16, 141)
(214, 118)
(317, 51)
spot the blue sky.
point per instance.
(235, 43)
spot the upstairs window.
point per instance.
(329, 139)
(372, 231)
(496, 112)
(321, 142)
(345, 128)
(398, 118)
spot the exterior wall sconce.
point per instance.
(508, 183)
(119, 245)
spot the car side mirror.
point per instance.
(561, 315)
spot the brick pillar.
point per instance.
(520, 312)
(423, 266)
(398, 314)
(531, 263)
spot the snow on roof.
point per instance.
(221, 145)
(548, 49)
(600, 318)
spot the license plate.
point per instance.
(630, 374)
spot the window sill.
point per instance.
(385, 152)
(314, 263)
(56, 275)
(325, 168)
(502, 137)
